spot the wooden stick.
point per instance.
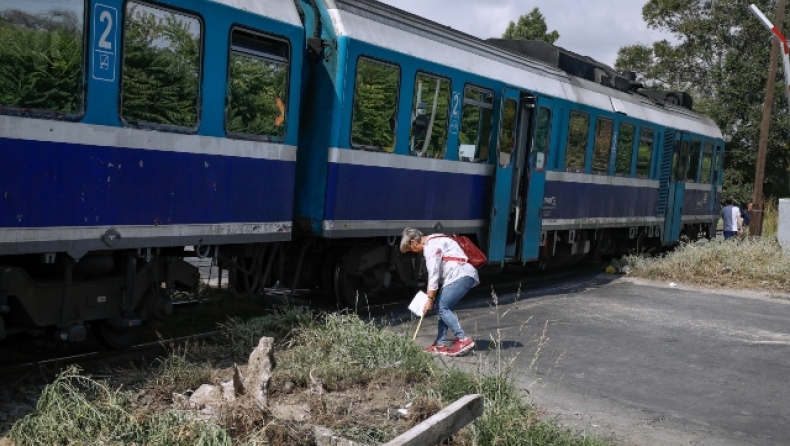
(418, 328)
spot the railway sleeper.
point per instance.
(114, 302)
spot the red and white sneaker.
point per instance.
(461, 347)
(436, 349)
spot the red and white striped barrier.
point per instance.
(783, 40)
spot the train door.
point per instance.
(706, 175)
(531, 239)
(677, 187)
(507, 209)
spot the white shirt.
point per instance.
(445, 272)
(731, 224)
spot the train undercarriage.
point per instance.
(109, 294)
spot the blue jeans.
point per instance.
(730, 234)
(447, 299)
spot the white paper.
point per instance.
(417, 304)
(467, 151)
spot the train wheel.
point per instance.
(328, 274)
(348, 290)
(241, 282)
(116, 338)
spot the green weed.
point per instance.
(76, 409)
(345, 351)
(242, 336)
(753, 263)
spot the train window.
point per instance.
(507, 139)
(644, 154)
(625, 149)
(257, 86)
(42, 56)
(575, 153)
(430, 116)
(717, 165)
(694, 157)
(375, 106)
(602, 145)
(161, 67)
(542, 139)
(475, 136)
(683, 160)
(707, 163)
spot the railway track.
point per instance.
(137, 351)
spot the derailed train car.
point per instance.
(295, 140)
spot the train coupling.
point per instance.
(73, 333)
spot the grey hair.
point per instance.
(409, 234)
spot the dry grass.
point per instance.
(771, 220)
(752, 263)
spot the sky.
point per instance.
(595, 28)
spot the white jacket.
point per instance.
(445, 272)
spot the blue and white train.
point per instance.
(295, 140)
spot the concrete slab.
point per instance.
(641, 363)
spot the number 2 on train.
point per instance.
(456, 111)
(105, 37)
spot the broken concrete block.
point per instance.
(228, 393)
(206, 395)
(259, 371)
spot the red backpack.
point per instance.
(475, 256)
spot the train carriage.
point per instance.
(129, 130)
(431, 128)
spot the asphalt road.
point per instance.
(638, 363)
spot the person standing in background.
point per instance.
(731, 217)
(746, 217)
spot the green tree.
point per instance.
(375, 106)
(720, 55)
(41, 61)
(257, 97)
(531, 26)
(161, 68)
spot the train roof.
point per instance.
(284, 11)
(397, 30)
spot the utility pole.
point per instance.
(756, 225)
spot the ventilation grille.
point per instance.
(665, 172)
